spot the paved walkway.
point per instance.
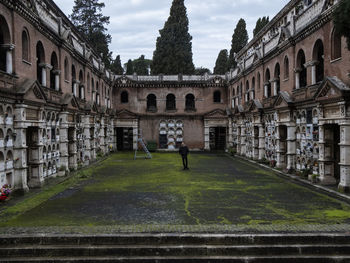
(218, 193)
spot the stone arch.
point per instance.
(318, 58)
(9, 156)
(40, 62)
(301, 69)
(25, 45)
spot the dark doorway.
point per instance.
(217, 138)
(283, 144)
(332, 138)
(125, 139)
(163, 141)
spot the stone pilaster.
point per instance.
(344, 184)
(261, 142)
(291, 146)
(64, 153)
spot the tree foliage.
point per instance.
(88, 18)
(201, 71)
(173, 54)
(239, 40)
(129, 67)
(342, 21)
(221, 62)
(141, 65)
(116, 66)
(260, 23)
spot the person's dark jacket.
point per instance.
(184, 150)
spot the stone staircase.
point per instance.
(247, 248)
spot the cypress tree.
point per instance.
(342, 21)
(221, 62)
(239, 40)
(89, 20)
(116, 66)
(173, 54)
(260, 24)
(129, 67)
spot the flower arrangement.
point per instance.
(5, 192)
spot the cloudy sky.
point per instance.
(135, 24)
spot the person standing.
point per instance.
(183, 151)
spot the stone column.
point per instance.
(344, 184)
(230, 143)
(291, 145)
(75, 85)
(206, 136)
(9, 60)
(43, 67)
(255, 142)
(266, 86)
(86, 134)
(313, 65)
(135, 133)
(297, 77)
(261, 142)
(275, 87)
(243, 141)
(64, 152)
(57, 74)
(20, 150)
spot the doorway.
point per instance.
(332, 138)
(125, 139)
(217, 138)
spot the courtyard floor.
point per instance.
(217, 190)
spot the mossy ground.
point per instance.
(216, 190)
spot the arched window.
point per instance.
(286, 67)
(81, 85)
(258, 82)
(66, 69)
(25, 45)
(190, 103)
(170, 102)
(97, 93)
(277, 79)
(247, 97)
(74, 79)
(151, 102)
(318, 56)
(253, 89)
(4, 39)
(301, 68)
(124, 97)
(233, 92)
(88, 82)
(40, 58)
(54, 64)
(217, 96)
(336, 45)
(267, 84)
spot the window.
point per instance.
(74, 77)
(277, 79)
(124, 97)
(267, 84)
(190, 103)
(25, 45)
(151, 102)
(54, 64)
(66, 69)
(4, 39)
(40, 58)
(301, 68)
(318, 54)
(247, 97)
(336, 45)
(217, 96)
(170, 102)
(286, 68)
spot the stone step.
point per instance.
(174, 250)
(175, 239)
(217, 259)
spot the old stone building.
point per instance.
(289, 94)
(55, 106)
(286, 102)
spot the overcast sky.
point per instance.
(135, 24)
